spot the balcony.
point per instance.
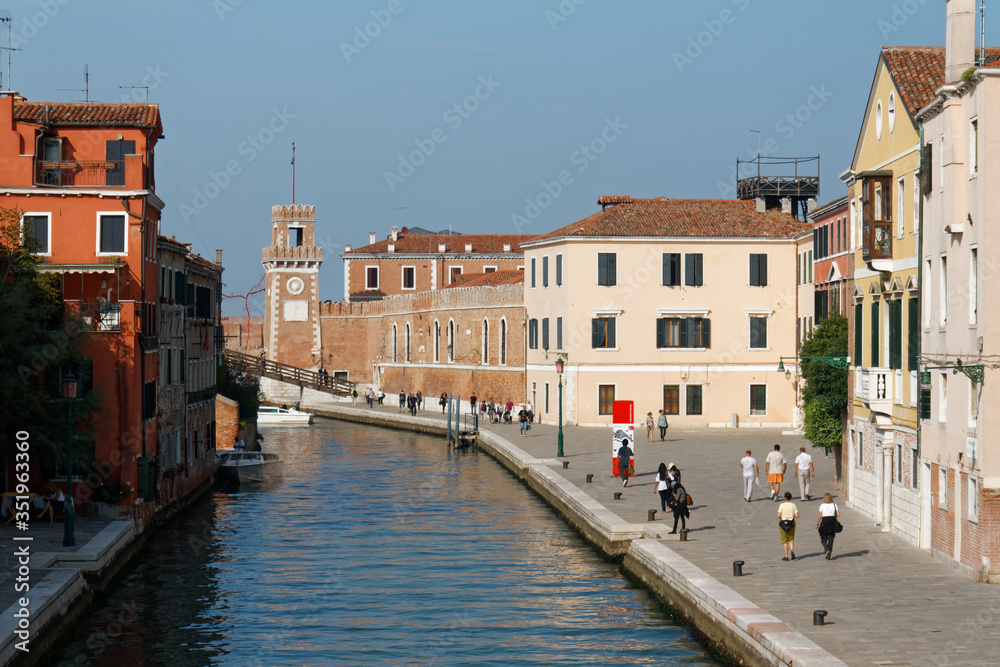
(875, 387)
(126, 172)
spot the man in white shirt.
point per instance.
(750, 472)
(775, 464)
(805, 471)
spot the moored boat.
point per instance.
(274, 415)
(247, 467)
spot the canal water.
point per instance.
(378, 547)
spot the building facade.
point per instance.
(82, 176)
(406, 263)
(960, 466)
(832, 265)
(884, 200)
(681, 305)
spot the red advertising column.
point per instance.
(623, 428)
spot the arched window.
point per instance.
(437, 342)
(395, 351)
(451, 340)
(503, 342)
(407, 343)
(486, 341)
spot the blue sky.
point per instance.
(465, 112)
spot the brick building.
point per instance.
(406, 263)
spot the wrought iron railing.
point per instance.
(77, 173)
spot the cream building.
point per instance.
(960, 484)
(884, 197)
(682, 305)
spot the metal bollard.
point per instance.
(618, 495)
(737, 568)
(684, 535)
(651, 516)
(590, 478)
(565, 464)
(819, 617)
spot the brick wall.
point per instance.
(227, 421)
(244, 334)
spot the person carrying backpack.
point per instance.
(680, 508)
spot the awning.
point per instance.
(77, 268)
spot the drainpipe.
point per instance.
(920, 302)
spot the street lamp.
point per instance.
(559, 369)
(69, 393)
(833, 362)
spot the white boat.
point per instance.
(247, 467)
(273, 415)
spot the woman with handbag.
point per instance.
(787, 514)
(827, 524)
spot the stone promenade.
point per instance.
(889, 603)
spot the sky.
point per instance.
(483, 116)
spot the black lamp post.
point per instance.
(69, 393)
(559, 369)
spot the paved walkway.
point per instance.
(889, 603)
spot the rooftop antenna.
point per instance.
(982, 32)
(5, 17)
(293, 173)
(758, 141)
(146, 88)
(86, 86)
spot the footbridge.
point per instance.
(261, 367)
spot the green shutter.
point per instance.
(896, 334)
(925, 403)
(858, 334)
(595, 332)
(661, 333)
(913, 342)
(706, 334)
(682, 333)
(875, 334)
(611, 330)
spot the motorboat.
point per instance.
(272, 415)
(247, 467)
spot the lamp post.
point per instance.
(69, 393)
(559, 369)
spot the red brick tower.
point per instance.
(291, 304)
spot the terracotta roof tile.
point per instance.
(88, 113)
(695, 218)
(423, 244)
(918, 71)
(487, 279)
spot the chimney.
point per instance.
(960, 39)
(506, 247)
(441, 247)
(468, 247)
(371, 238)
(786, 205)
(761, 205)
(392, 247)
(347, 248)
(395, 232)
(218, 257)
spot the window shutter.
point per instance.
(602, 269)
(698, 263)
(612, 270)
(559, 333)
(533, 260)
(661, 332)
(682, 333)
(558, 269)
(595, 332)
(666, 273)
(754, 271)
(545, 271)
(913, 344)
(689, 276)
(611, 330)
(896, 334)
(858, 334)
(875, 337)
(545, 333)
(706, 333)
(762, 324)
(763, 270)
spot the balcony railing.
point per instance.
(875, 387)
(74, 173)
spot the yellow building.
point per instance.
(884, 200)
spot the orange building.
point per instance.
(82, 176)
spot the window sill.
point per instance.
(683, 349)
(759, 349)
(606, 349)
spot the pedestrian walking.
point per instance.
(411, 404)
(662, 486)
(750, 473)
(531, 413)
(370, 395)
(804, 471)
(826, 524)
(443, 401)
(680, 508)
(472, 402)
(354, 396)
(522, 417)
(624, 461)
(787, 514)
(675, 476)
(381, 397)
(662, 423)
(649, 426)
(775, 465)
(420, 400)
(402, 400)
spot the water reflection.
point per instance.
(378, 547)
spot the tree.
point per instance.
(824, 395)
(240, 387)
(39, 341)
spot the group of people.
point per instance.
(668, 485)
(496, 412)
(411, 402)
(827, 523)
(660, 422)
(372, 396)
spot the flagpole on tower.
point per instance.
(293, 173)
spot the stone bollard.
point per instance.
(737, 568)
(618, 495)
(651, 516)
(684, 534)
(819, 617)
(590, 478)
(565, 464)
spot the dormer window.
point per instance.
(50, 150)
